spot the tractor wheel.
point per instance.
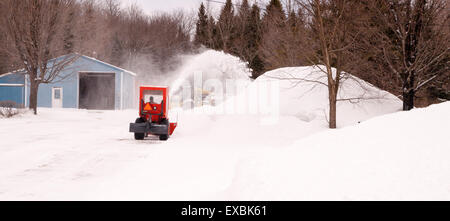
(163, 137)
(139, 136)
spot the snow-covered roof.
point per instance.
(12, 72)
(6, 74)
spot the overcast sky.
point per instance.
(150, 6)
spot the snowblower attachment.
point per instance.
(153, 114)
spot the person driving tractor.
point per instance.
(151, 100)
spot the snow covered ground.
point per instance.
(89, 155)
(377, 153)
(77, 154)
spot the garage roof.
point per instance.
(81, 56)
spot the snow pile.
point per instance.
(303, 94)
(401, 156)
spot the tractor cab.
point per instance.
(153, 114)
(152, 104)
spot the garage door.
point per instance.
(97, 91)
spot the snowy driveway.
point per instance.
(76, 154)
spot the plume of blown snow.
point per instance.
(211, 64)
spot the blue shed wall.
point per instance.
(12, 93)
(69, 82)
(10, 89)
(129, 88)
(70, 92)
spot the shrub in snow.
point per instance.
(9, 108)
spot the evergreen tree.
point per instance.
(87, 36)
(254, 28)
(274, 47)
(238, 46)
(225, 26)
(301, 17)
(292, 21)
(69, 37)
(257, 66)
(244, 10)
(117, 50)
(274, 14)
(294, 40)
(253, 39)
(213, 36)
(201, 33)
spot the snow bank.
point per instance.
(309, 100)
(401, 156)
(302, 95)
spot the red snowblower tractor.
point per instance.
(153, 114)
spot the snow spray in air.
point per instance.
(230, 96)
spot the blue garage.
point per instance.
(12, 88)
(86, 83)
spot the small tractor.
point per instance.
(153, 114)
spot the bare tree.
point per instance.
(32, 27)
(411, 41)
(31, 32)
(332, 34)
(93, 27)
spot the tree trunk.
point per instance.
(332, 114)
(332, 85)
(34, 86)
(408, 92)
(408, 100)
